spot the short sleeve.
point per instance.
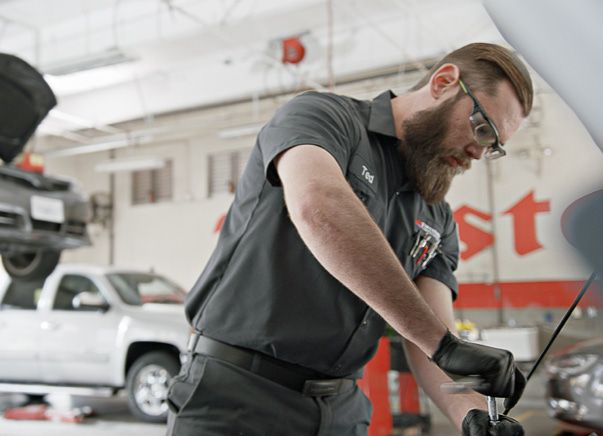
(314, 118)
(442, 266)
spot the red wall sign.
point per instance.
(523, 213)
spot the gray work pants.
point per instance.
(211, 397)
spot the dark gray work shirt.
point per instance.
(262, 289)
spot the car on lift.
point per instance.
(39, 215)
(94, 330)
(575, 386)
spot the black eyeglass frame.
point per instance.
(493, 150)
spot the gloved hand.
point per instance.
(477, 423)
(520, 384)
(495, 366)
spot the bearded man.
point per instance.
(339, 226)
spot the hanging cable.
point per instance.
(114, 23)
(494, 250)
(330, 76)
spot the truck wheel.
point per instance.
(31, 265)
(147, 385)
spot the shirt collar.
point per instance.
(381, 121)
(381, 117)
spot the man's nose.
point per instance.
(475, 151)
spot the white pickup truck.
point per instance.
(89, 327)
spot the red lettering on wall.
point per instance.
(524, 222)
(475, 239)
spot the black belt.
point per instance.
(268, 367)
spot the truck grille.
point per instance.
(76, 228)
(10, 220)
(46, 226)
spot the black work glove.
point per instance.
(496, 367)
(477, 423)
(520, 384)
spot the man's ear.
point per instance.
(444, 81)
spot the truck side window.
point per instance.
(70, 286)
(22, 294)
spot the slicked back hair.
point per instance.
(483, 66)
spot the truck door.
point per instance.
(20, 330)
(77, 343)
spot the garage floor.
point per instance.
(113, 418)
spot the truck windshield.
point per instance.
(137, 289)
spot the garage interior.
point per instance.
(159, 105)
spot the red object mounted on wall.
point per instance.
(293, 50)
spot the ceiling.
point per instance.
(178, 54)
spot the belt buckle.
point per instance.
(321, 388)
(192, 342)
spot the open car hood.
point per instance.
(562, 41)
(26, 100)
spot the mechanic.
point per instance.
(338, 226)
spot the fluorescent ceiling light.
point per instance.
(84, 73)
(81, 122)
(91, 61)
(238, 132)
(136, 164)
(88, 148)
(88, 80)
(98, 146)
(59, 123)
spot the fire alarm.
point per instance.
(293, 50)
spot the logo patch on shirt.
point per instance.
(428, 229)
(427, 244)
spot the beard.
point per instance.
(425, 155)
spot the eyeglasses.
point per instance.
(484, 130)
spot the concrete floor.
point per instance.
(113, 418)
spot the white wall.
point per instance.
(174, 238)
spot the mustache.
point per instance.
(464, 163)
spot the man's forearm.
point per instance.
(340, 233)
(431, 378)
